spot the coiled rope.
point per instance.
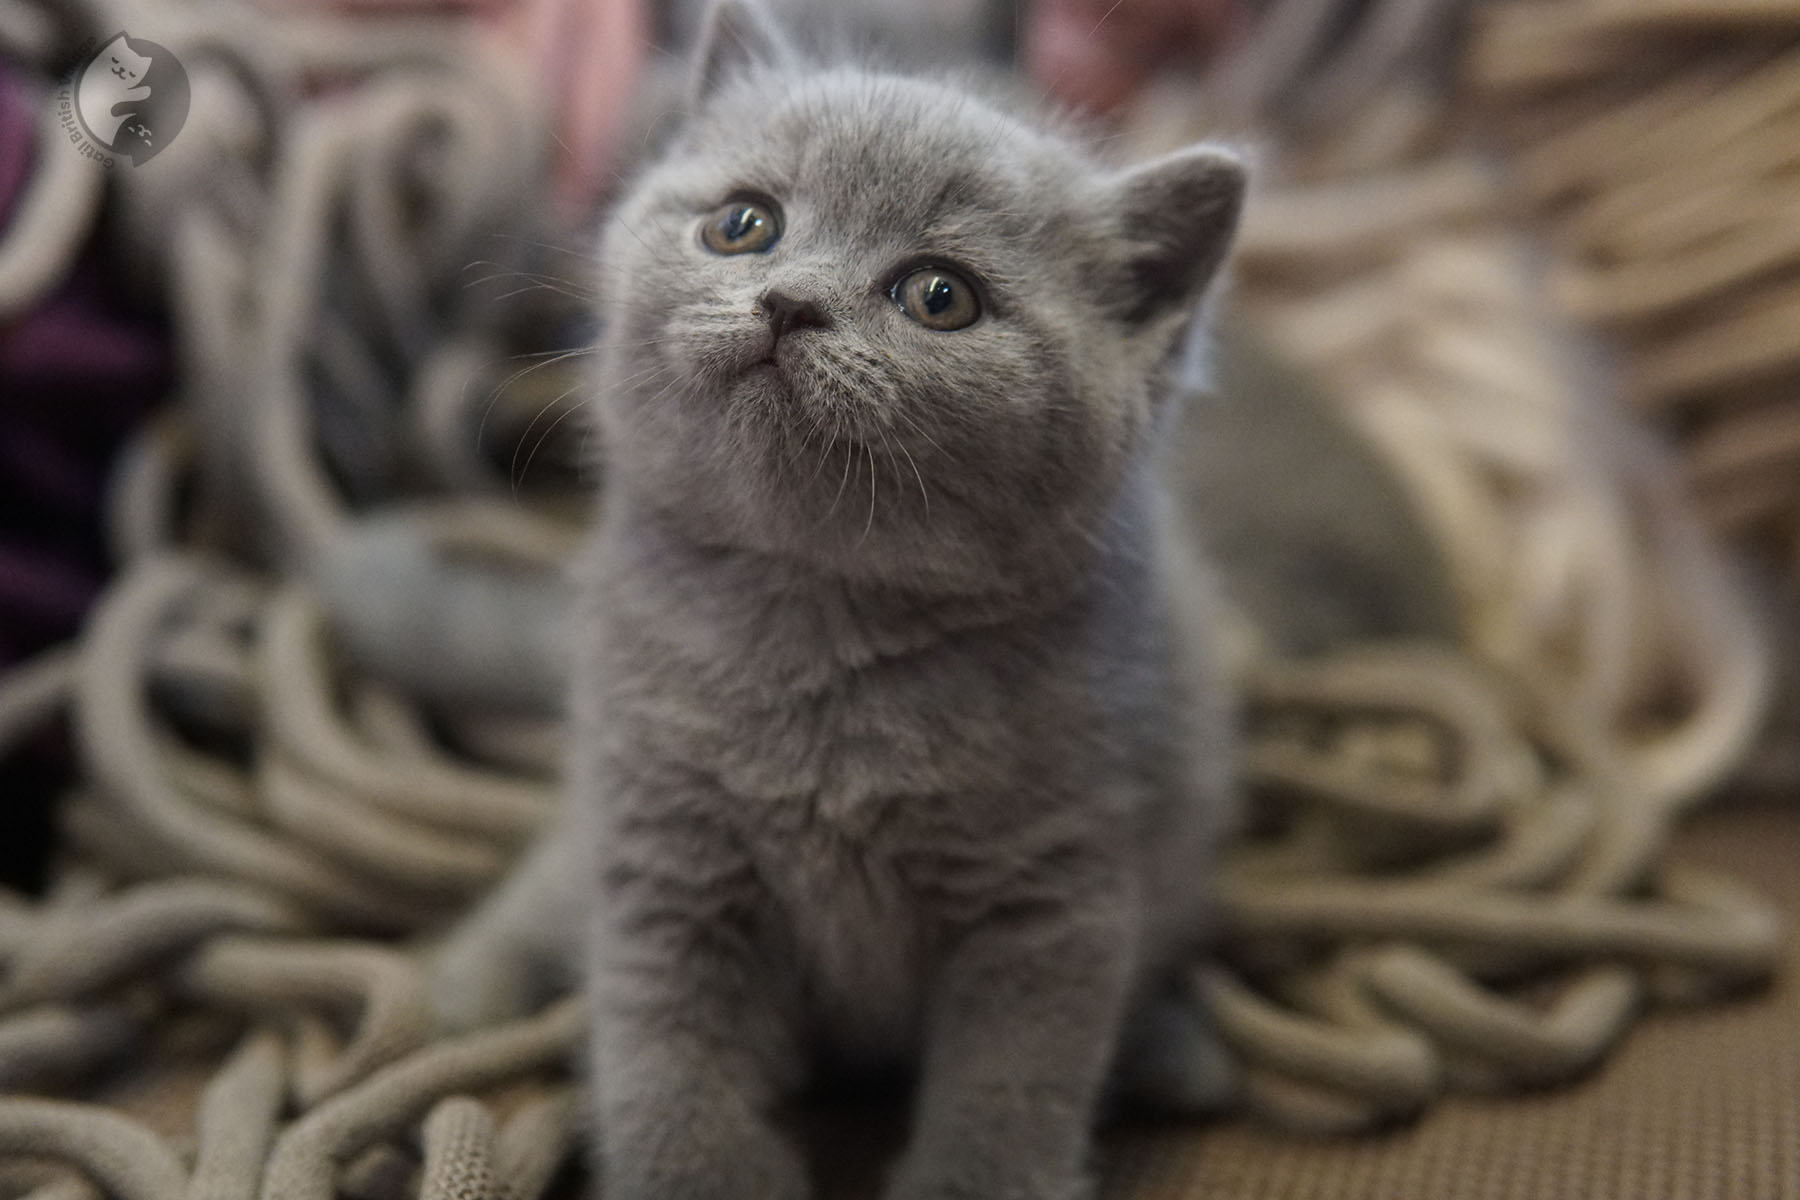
(1387, 254)
(268, 807)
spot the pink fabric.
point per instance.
(586, 53)
(1098, 54)
(589, 53)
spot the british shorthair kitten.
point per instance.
(895, 738)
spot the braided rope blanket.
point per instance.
(310, 711)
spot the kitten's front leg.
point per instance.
(1024, 1021)
(692, 1047)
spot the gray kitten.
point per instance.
(895, 736)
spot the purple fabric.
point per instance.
(16, 141)
(77, 373)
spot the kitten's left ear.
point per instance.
(1176, 215)
(738, 34)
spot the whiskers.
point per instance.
(893, 449)
(853, 415)
(546, 358)
(516, 473)
(662, 377)
(530, 281)
(870, 523)
(900, 414)
(890, 445)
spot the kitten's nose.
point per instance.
(787, 314)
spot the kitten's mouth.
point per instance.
(770, 359)
(779, 360)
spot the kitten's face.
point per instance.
(877, 325)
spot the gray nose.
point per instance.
(787, 314)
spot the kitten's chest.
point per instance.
(854, 932)
(809, 710)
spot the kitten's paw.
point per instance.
(1174, 1063)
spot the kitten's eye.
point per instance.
(741, 227)
(937, 298)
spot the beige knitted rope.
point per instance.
(1658, 139)
(1382, 929)
(264, 798)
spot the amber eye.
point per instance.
(742, 227)
(937, 298)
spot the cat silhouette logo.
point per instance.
(131, 98)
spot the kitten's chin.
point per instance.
(761, 395)
(807, 500)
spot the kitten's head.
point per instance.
(889, 328)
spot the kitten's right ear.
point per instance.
(1177, 214)
(738, 34)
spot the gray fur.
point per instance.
(896, 740)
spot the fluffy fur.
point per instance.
(895, 739)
